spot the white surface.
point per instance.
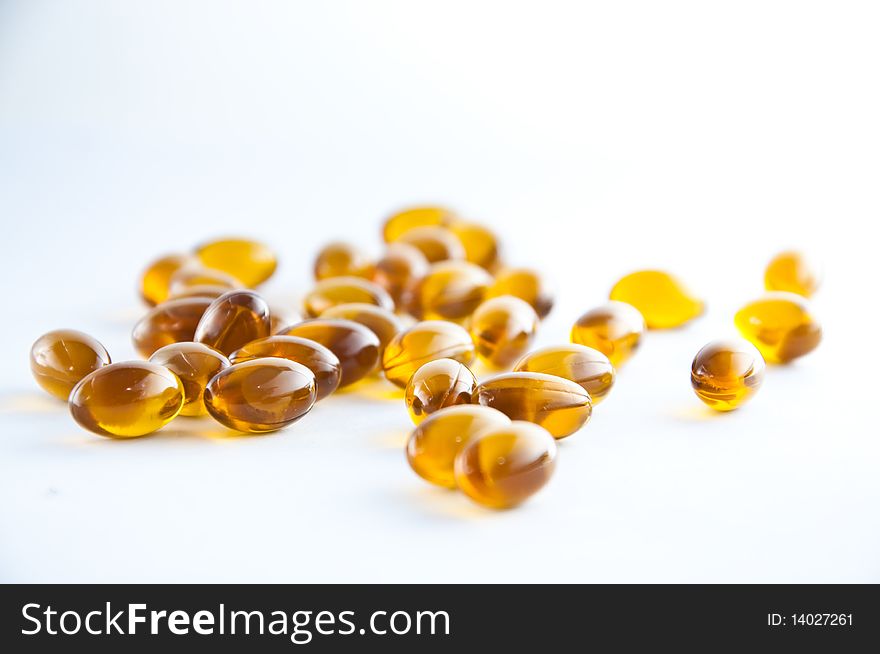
(693, 136)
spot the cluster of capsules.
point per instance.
(436, 300)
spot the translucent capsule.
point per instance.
(662, 299)
(61, 358)
(403, 221)
(250, 261)
(399, 269)
(725, 374)
(451, 290)
(345, 290)
(185, 279)
(234, 320)
(156, 279)
(559, 405)
(578, 363)
(503, 329)
(793, 272)
(431, 448)
(320, 360)
(479, 242)
(342, 260)
(615, 329)
(195, 364)
(173, 321)
(424, 342)
(382, 322)
(212, 291)
(437, 385)
(356, 347)
(780, 325)
(128, 399)
(503, 466)
(262, 395)
(436, 243)
(526, 284)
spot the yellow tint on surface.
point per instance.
(727, 373)
(780, 325)
(662, 299)
(247, 260)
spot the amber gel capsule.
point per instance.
(436, 243)
(583, 365)
(212, 291)
(437, 385)
(403, 221)
(321, 361)
(173, 321)
(399, 269)
(480, 244)
(123, 400)
(503, 466)
(340, 259)
(423, 342)
(356, 347)
(262, 395)
(526, 284)
(725, 374)
(185, 279)
(780, 325)
(503, 328)
(345, 290)
(431, 448)
(195, 364)
(662, 299)
(793, 272)
(61, 358)
(234, 320)
(250, 261)
(615, 329)
(451, 290)
(156, 279)
(559, 405)
(382, 322)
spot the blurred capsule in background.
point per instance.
(451, 290)
(61, 358)
(526, 284)
(247, 260)
(345, 290)
(662, 299)
(399, 269)
(437, 385)
(780, 325)
(726, 373)
(503, 329)
(339, 259)
(436, 243)
(581, 364)
(793, 272)
(155, 285)
(185, 279)
(615, 329)
(401, 222)
(479, 242)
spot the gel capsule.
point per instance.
(250, 261)
(128, 399)
(480, 244)
(382, 322)
(424, 342)
(185, 279)
(793, 272)
(503, 466)
(559, 405)
(234, 320)
(399, 269)
(431, 448)
(356, 347)
(345, 290)
(195, 364)
(320, 360)
(173, 321)
(578, 363)
(662, 299)
(451, 290)
(262, 395)
(725, 374)
(403, 221)
(61, 358)
(342, 260)
(437, 385)
(780, 325)
(503, 329)
(526, 284)
(615, 329)
(212, 291)
(436, 243)
(156, 279)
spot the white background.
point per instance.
(597, 138)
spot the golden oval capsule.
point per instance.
(403, 221)
(583, 365)
(662, 299)
(262, 395)
(503, 329)
(526, 284)
(250, 261)
(185, 279)
(780, 325)
(726, 373)
(382, 322)
(436, 243)
(156, 278)
(234, 320)
(423, 342)
(340, 259)
(431, 448)
(793, 272)
(614, 329)
(399, 269)
(437, 385)
(345, 290)
(479, 242)
(173, 321)
(61, 358)
(320, 360)
(123, 400)
(356, 347)
(212, 291)
(503, 466)
(195, 364)
(451, 290)
(559, 405)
